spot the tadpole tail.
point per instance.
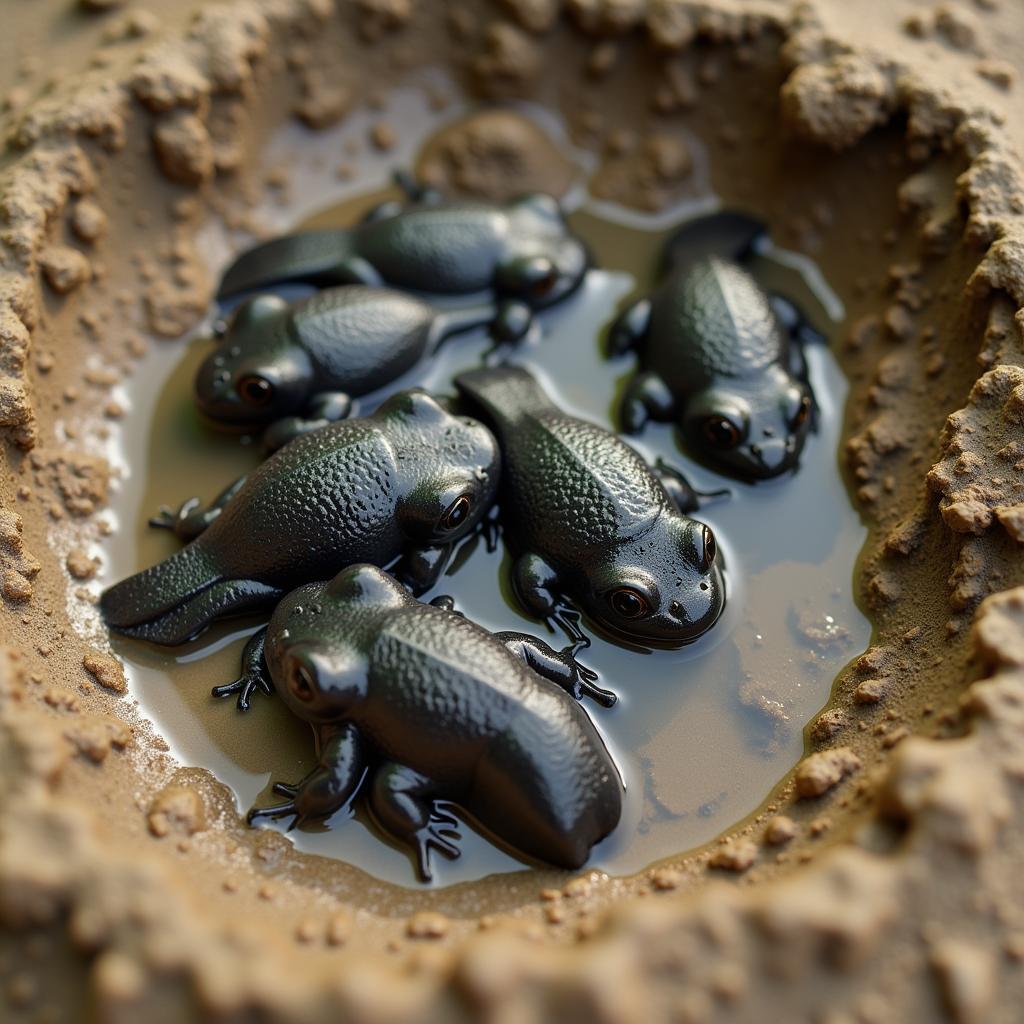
(730, 234)
(184, 623)
(172, 601)
(458, 321)
(501, 394)
(307, 257)
(159, 589)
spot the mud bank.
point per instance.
(879, 881)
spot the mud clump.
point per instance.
(94, 736)
(980, 476)
(496, 154)
(738, 855)
(647, 174)
(831, 935)
(177, 809)
(17, 565)
(837, 103)
(820, 772)
(65, 268)
(106, 670)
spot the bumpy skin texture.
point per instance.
(307, 359)
(520, 250)
(366, 490)
(590, 523)
(717, 358)
(439, 709)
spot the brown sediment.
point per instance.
(498, 154)
(879, 138)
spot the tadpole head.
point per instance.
(664, 589)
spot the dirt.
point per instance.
(880, 139)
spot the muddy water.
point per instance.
(701, 734)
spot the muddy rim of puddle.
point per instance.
(880, 879)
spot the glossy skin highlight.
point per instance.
(590, 524)
(719, 357)
(522, 250)
(401, 485)
(418, 705)
(298, 365)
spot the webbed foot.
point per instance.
(191, 519)
(586, 678)
(402, 802)
(438, 834)
(288, 809)
(181, 521)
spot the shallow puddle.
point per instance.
(701, 734)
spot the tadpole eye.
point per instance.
(709, 548)
(541, 277)
(457, 512)
(628, 603)
(303, 683)
(254, 389)
(802, 413)
(721, 432)
(545, 283)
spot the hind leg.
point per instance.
(558, 667)
(340, 769)
(647, 398)
(192, 519)
(629, 328)
(794, 322)
(403, 803)
(683, 494)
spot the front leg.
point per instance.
(446, 603)
(421, 568)
(535, 584)
(647, 397)
(512, 322)
(357, 270)
(558, 667)
(324, 408)
(630, 328)
(415, 190)
(255, 674)
(191, 519)
(340, 770)
(683, 494)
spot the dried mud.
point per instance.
(881, 880)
